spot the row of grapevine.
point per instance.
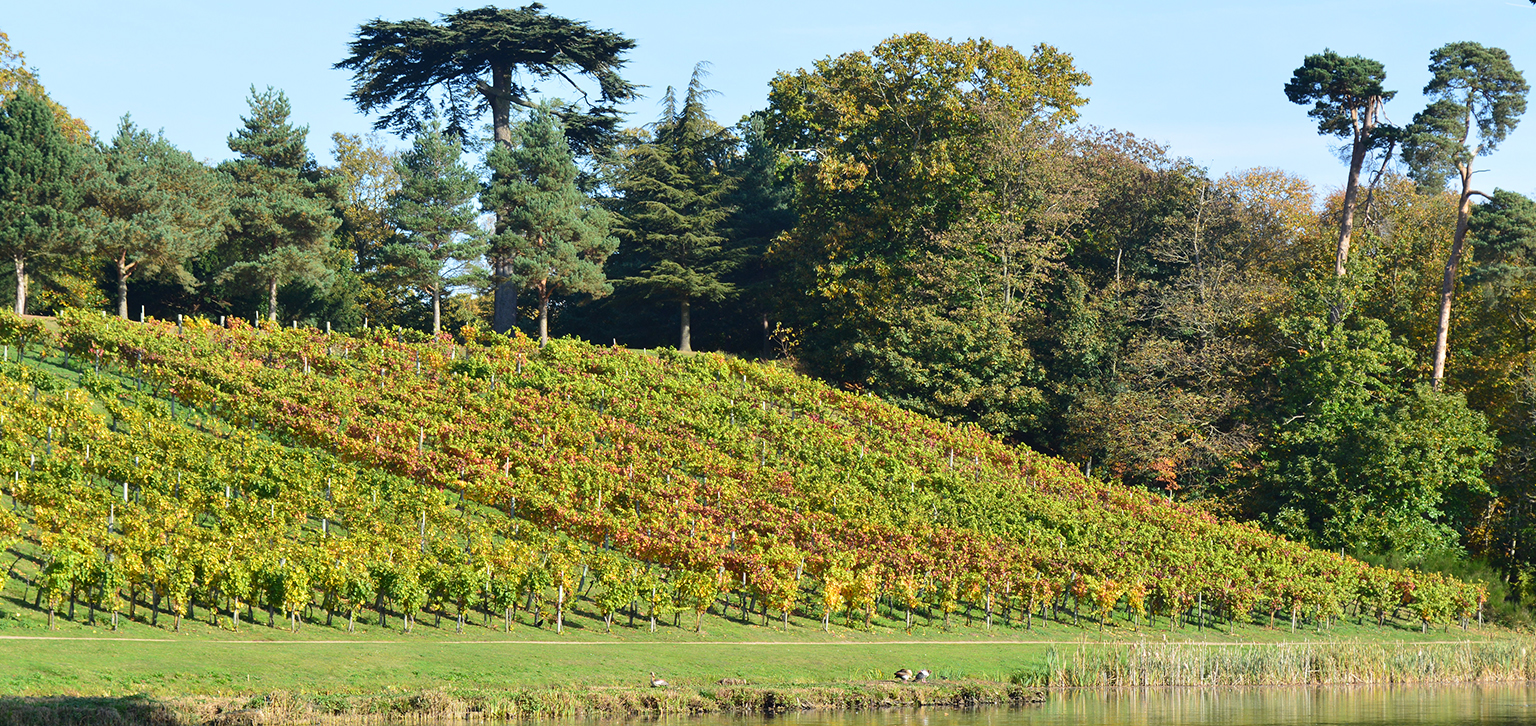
(735, 478)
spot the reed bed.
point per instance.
(435, 707)
(1266, 664)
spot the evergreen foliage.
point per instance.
(435, 211)
(480, 60)
(39, 187)
(158, 209)
(283, 207)
(671, 204)
(1506, 228)
(761, 200)
(555, 238)
(917, 221)
(1347, 97)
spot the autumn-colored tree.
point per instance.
(888, 145)
(366, 179)
(15, 76)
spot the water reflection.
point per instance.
(1358, 706)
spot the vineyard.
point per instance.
(269, 474)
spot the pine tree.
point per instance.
(435, 213)
(283, 207)
(158, 208)
(672, 209)
(39, 186)
(554, 236)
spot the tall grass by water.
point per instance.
(1260, 664)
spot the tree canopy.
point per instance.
(159, 209)
(489, 58)
(40, 185)
(555, 238)
(283, 208)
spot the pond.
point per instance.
(1332, 706)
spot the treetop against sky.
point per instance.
(1205, 77)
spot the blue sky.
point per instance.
(1203, 77)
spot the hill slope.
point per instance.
(389, 471)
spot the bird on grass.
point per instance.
(904, 675)
(657, 682)
(922, 676)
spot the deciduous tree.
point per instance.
(366, 180)
(1360, 456)
(15, 75)
(887, 146)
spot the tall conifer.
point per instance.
(554, 236)
(38, 185)
(672, 207)
(489, 58)
(283, 207)
(435, 213)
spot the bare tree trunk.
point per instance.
(123, 268)
(765, 336)
(272, 299)
(437, 310)
(499, 94)
(686, 345)
(21, 285)
(1362, 144)
(1347, 220)
(1448, 283)
(1363, 129)
(543, 314)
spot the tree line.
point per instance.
(925, 220)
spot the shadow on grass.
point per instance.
(86, 711)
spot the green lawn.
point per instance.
(79, 658)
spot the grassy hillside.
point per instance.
(291, 477)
